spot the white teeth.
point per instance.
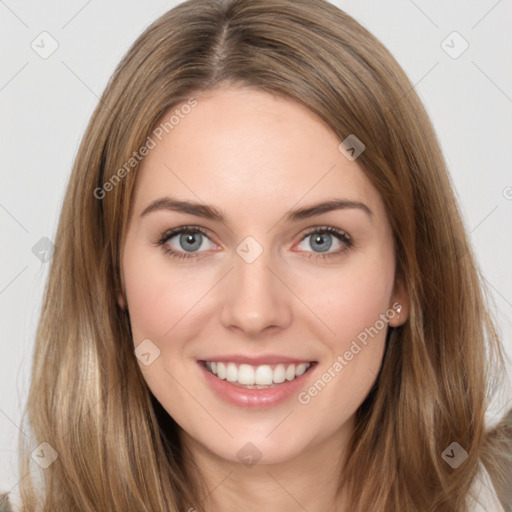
(246, 375)
(256, 376)
(290, 372)
(221, 371)
(231, 372)
(300, 369)
(263, 375)
(279, 374)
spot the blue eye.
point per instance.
(191, 239)
(321, 239)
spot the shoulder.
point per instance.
(483, 497)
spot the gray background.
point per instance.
(46, 102)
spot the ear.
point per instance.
(121, 295)
(121, 300)
(399, 304)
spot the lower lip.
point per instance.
(255, 398)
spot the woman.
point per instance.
(257, 365)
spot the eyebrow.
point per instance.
(212, 213)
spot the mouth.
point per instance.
(265, 376)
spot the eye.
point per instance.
(321, 240)
(189, 240)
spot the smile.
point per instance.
(256, 377)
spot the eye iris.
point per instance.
(325, 244)
(189, 238)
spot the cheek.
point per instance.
(366, 296)
(149, 304)
(356, 305)
(354, 298)
(158, 296)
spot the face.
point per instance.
(254, 280)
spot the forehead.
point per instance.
(249, 153)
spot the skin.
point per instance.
(255, 157)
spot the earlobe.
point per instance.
(399, 315)
(121, 297)
(399, 305)
(121, 301)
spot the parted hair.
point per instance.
(88, 399)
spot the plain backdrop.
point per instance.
(46, 103)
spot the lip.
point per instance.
(255, 398)
(256, 361)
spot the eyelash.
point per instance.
(171, 233)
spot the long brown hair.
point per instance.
(88, 399)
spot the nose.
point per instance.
(255, 297)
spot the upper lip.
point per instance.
(256, 361)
